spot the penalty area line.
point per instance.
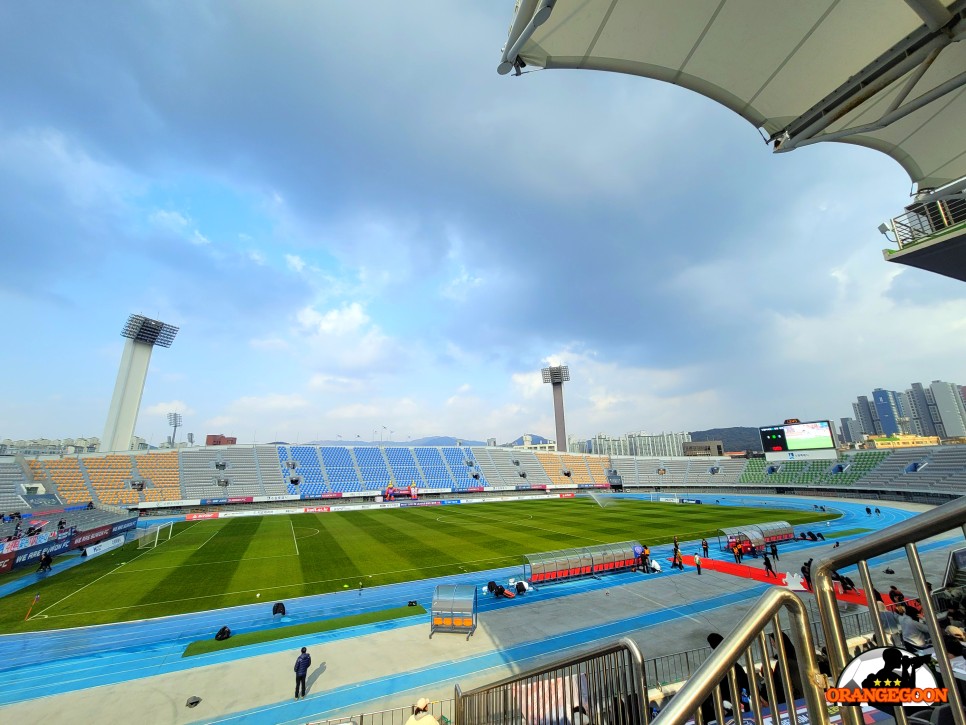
(77, 591)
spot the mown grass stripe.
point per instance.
(204, 646)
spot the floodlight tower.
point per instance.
(174, 420)
(142, 335)
(557, 376)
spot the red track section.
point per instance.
(757, 573)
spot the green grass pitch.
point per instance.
(226, 562)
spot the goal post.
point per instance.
(154, 535)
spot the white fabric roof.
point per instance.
(800, 71)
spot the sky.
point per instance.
(363, 231)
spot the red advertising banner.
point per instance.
(567, 495)
(6, 563)
(240, 499)
(337, 494)
(317, 509)
(201, 517)
(90, 537)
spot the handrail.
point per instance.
(608, 679)
(704, 682)
(905, 534)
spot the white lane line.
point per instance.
(293, 537)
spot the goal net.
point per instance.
(154, 535)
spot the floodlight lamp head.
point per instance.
(557, 374)
(174, 419)
(150, 332)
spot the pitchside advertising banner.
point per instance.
(53, 548)
(106, 545)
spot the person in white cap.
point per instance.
(421, 714)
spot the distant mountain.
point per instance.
(443, 441)
(739, 438)
(429, 441)
(535, 439)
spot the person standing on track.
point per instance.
(697, 563)
(646, 559)
(768, 570)
(302, 665)
(774, 552)
(704, 547)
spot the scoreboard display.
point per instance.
(814, 440)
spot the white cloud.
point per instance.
(199, 238)
(339, 321)
(459, 287)
(172, 221)
(336, 383)
(257, 257)
(294, 262)
(174, 406)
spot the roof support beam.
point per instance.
(856, 92)
(926, 98)
(933, 13)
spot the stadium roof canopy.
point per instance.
(886, 74)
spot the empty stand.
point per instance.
(403, 468)
(308, 467)
(272, 477)
(462, 466)
(434, 469)
(161, 474)
(64, 478)
(372, 467)
(340, 469)
(12, 478)
(199, 474)
(110, 478)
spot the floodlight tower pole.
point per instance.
(557, 376)
(174, 420)
(142, 335)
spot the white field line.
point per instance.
(293, 537)
(63, 599)
(128, 570)
(287, 586)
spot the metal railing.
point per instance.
(904, 535)
(671, 669)
(924, 220)
(795, 672)
(606, 684)
(442, 710)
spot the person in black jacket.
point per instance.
(741, 678)
(302, 665)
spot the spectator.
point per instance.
(90, 505)
(421, 714)
(792, 657)
(741, 679)
(915, 634)
(895, 595)
(302, 665)
(890, 624)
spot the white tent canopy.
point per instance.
(886, 74)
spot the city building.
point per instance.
(934, 410)
(704, 448)
(220, 440)
(902, 441)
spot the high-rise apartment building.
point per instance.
(938, 409)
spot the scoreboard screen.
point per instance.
(798, 441)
